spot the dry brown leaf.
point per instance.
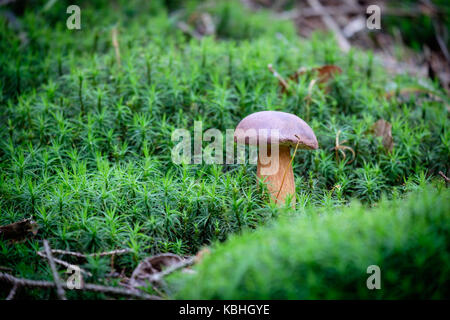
(383, 128)
(322, 75)
(142, 275)
(198, 25)
(19, 230)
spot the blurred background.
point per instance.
(414, 35)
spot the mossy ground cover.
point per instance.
(323, 254)
(85, 137)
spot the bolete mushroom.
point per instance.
(271, 129)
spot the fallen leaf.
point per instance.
(19, 230)
(198, 25)
(141, 276)
(322, 75)
(383, 129)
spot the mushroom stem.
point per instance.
(275, 183)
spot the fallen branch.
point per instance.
(20, 282)
(59, 289)
(157, 277)
(82, 255)
(345, 10)
(13, 292)
(331, 24)
(65, 264)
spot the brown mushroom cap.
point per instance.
(290, 126)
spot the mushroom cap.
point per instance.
(263, 123)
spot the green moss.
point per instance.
(85, 143)
(324, 254)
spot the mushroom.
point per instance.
(275, 128)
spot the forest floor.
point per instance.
(86, 145)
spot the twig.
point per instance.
(341, 149)
(115, 42)
(65, 264)
(331, 24)
(279, 77)
(357, 24)
(447, 179)
(155, 288)
(82, 255)
(157, 277)
(344, 10)
(20, 282)
(59, 289)
(13, 292)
